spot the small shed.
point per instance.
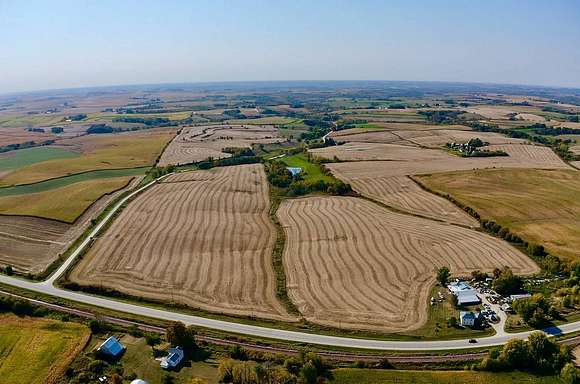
(173, 358)
(295, 171)
(111, 347)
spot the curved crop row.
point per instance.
(202, 238)
(353, 264)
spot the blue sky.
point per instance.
(59, 44)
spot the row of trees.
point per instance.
(27, 144)
(308, 368)
(538, 354)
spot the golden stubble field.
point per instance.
(353, 264)
(30, 244)
(200, 238)
(199, 143)
(542, 206)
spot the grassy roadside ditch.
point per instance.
(104, 314)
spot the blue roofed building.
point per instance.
(295, 171)
(111, 347)
(173, 358)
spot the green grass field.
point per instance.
(108, 152)
(24, 157)
(375, 376)
(37, 350)
(65, 203)
(310, 172)
(44, 186)
(542, 206)
(138, 359)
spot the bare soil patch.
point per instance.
(202, 239)
(353, 264)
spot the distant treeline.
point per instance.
(149, 122)
(28, 144)
(441, 117)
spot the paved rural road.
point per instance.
(47, 287)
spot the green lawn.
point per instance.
(34, 350)
(376, 376)
(24, 157)
(60, 182)
(310, 172)
(138, 359)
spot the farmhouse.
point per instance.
(467, 319)
(111, 347)
(173, 359)
(466, 295)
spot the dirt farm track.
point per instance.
(353, 264)
(200, 238)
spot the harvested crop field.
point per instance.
(541, 206)
(521, 156)
(106, 151)
(441, 137)
(353, 264)
(366, 135)
(200, 143)
(64, 204)
(542, 157)
(30, 244)
(37, 350)
(432, 138)
(18, 136)
(402, 193)
(202, 239)
(354, 151)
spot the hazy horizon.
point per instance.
(87, 44)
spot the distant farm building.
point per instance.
(173, 359)
(295, 171)
(111, 347)
(466, 295)
(520, 296)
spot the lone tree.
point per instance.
(180, 335)
(443, 275)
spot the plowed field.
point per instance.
(352, 264)
(203, 239)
